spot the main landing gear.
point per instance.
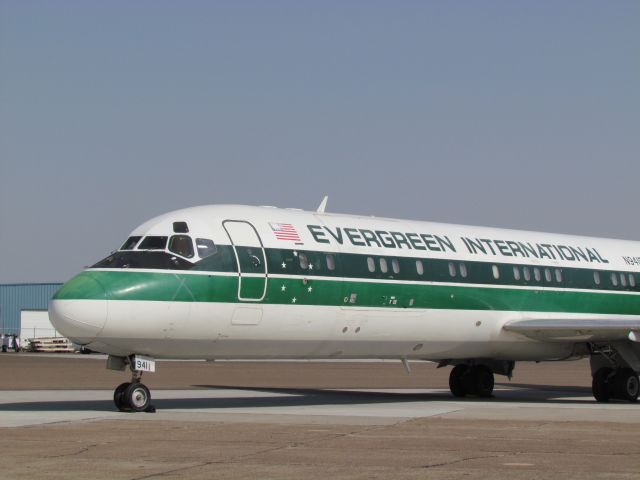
(619, 383)
(615, 370)
(471, 380)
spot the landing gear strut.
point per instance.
(133, 396)
(620, 383)
(471, 380)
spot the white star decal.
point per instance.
(294, 300)
(284, 265)
(311, 266)
(283, 288)
(310, 289)
(295, 253)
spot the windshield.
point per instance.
(152, 253)
(146, 259)
(153, 243)
(131, 243)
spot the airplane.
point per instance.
(244, 282)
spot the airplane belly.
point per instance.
(254, 330)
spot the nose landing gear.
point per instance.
(133, 396)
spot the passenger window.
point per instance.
(371, 264)
(463, 270)
(383, 265)
(632, 280)
(331, 262)
(558, 275)
(205, 247)
(303, 260)
(496, 271)
(131, 243)
(419, 267)
(623, 280)
(516, 273)
(181, 245)
(596, 278)
(395, 265)
(547, 275)
(452, 269)
(153, 243)
(527, 274)
(536, 274)
(614, 280)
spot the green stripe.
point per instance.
(165, 286)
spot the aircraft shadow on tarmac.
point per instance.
(288, 397)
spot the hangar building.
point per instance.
(23, 309)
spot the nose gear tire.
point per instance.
(138, 397)
(118, 397)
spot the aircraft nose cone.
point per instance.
(79, 309)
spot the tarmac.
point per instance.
(312, 420)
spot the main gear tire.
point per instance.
(482, 381)
(457, 380)
(601, 385)
(626, 385)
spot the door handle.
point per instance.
(255, 261)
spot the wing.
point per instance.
(579, 329)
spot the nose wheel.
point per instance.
(132, 397)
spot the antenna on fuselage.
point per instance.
(323, 204)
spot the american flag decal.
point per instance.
(285, 231)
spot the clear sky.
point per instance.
(505, 113)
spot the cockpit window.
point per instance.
(181, 245)
(153, 243)
(131, 243)
(224, 259)
(180, 227)
(205, 247)
(144, 259)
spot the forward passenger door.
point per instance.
(251, 260)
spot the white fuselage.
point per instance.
(391, 294)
